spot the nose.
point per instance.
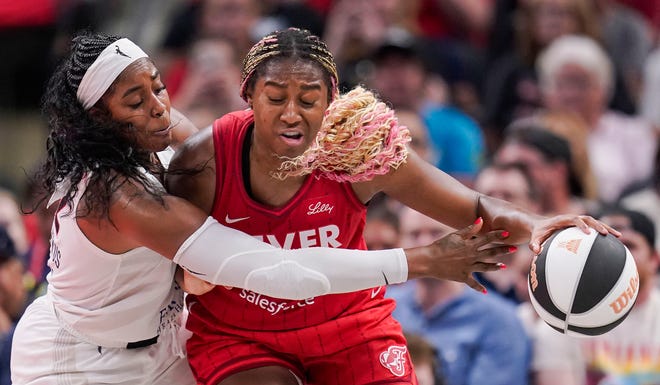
(290, 115)
(158, 108)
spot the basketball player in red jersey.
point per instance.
(241, 337)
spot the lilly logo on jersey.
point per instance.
(319, 207)
(394, 359)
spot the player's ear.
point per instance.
(95, 112)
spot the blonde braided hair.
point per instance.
(360, 137)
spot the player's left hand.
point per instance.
(544, 228)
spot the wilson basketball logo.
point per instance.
(394, 359)
(627, 296)
(571, 245)
(533, 279)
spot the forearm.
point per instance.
(224, 256)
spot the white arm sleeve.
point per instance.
(224, 256)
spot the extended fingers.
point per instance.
(599, 226)
(483, 267)
(494, 236)
(492, 252)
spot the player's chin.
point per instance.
(156, 143)
(292, 150)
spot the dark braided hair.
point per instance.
(82, 141)
(289, 43)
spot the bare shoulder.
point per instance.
(195, 151)
(191, 173)
(182, 128)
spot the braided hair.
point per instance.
(81, 141)
(290, 43)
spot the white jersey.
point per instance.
(99, 320)
(110, 300)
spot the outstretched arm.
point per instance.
(360, 141)
(432, 192)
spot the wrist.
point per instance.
(418, 262)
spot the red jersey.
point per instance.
(322, 213)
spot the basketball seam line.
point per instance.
(569, 310)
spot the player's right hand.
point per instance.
(458, 255)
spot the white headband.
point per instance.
(105, 69)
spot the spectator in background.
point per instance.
(419, 134)
(646, 199)
(511, 182)
(381, 230)
(355, 28)
(479, 337)
(548, 159)
(573, 129)
(628, 354)
(511, 87)
(282, 14)
(651, 91)
(208, 89)
(12, 220)
(401, 78)
(576, 75)
(233, 20)
(27, 32)
(459, 28)
(424, 357)
(628, 40)
(466, 22)
(38, 224)
(649, 9)
(12, 300)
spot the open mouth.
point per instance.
(292, 138)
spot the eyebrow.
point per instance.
(306, 87)
(154, 75)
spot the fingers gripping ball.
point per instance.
(359, 138)
(583, 285)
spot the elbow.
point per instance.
(287, 280)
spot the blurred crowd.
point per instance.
(553, 105)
